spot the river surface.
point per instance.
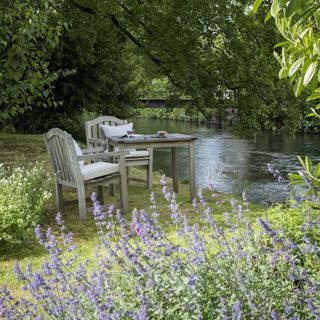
(232, 164)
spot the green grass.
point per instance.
(24, 150)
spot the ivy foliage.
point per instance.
(30, 31)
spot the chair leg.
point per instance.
(150, 169)
(123, 188)
(82, 202)
(100, 194)
(128, 174)
(59, 197)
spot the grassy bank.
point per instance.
(184, 114)
(25, 150)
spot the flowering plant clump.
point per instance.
(241, 270)
(22, 194)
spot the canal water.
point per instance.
(235, 165)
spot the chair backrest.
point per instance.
(93, 129)
(63, 158)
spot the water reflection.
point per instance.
(234, 164)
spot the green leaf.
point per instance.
(268, 16)
(313, 114)
(294, 176)
(309, 192)
(314, 96)
(301, 161)
(305, 66)
(309, 73)
(310, 115)
(295, 66)
(293, 78)
(296, 183)
(317, 170)
(308, 164)
(275, 8)
(277, 56)
(281, 44)
(298, 87)
(46, 93)
(293, 6)
(283, 73)
(256, 5)
(313, 84)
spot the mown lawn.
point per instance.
(25, 150)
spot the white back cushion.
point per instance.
(120, 130)
(78, 152)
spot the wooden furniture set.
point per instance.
(108, 160)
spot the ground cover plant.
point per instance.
(23, 193)
(238, 270)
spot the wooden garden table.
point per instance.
(173, 141)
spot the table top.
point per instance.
(172, 137)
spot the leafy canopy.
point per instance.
(29, 33)
(298, 22)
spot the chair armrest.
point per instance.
(104, 155)
(93, 150)
(98, 141)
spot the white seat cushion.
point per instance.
(98, 169)
(137, 153)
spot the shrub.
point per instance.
(298, 220)
(205, 272)
(22, 194)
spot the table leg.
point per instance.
(111, 186)
(192, 171)
(175, 170)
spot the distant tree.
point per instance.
(218, 54)
(207, 51)
(101, 81)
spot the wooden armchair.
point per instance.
(96, 138)
(70, 170)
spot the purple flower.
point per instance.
(163, 180)
(286, 306)
(93, 197)
(236, 310)
(192, 280)
(265, 226)
(274, 172)
(16, 269)
(305, 178)
(139, 270)
(223, 309)
(142, 313)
